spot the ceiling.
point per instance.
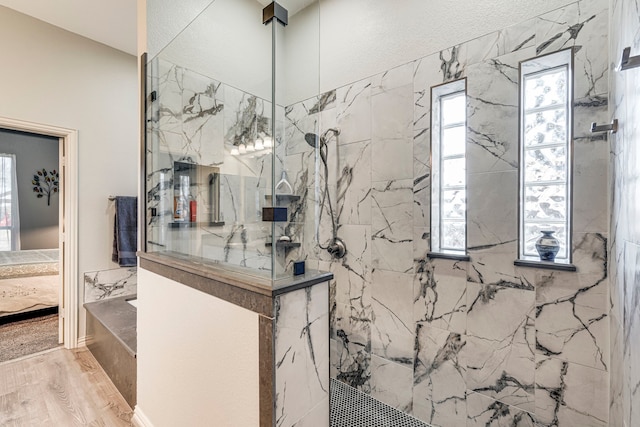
(292, 6)
(111, 22)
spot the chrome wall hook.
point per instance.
(613, 127)
(627, 61)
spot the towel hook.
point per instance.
(627, 61)
(613, 127)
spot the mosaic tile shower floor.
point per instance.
(352, 408)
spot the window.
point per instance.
(9, 227)
(448, 169)
(545, 153)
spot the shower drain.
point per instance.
(352, 408)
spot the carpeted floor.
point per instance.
(29, 336)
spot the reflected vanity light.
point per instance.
(259, 147)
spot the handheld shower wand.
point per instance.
(336, 246)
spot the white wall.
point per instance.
(197, 357)
(227, 42)
(360, 38)
(55, 77)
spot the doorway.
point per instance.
(67, 289)
(30, 284)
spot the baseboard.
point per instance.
(82, 341)
(139, 419)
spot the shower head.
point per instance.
(317, 141)
(312, 139)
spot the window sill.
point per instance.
(442, 255)
(545, 264)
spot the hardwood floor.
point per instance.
(59, 388)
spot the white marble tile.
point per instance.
(301, 353)
(353, 199)
(351, 366)
(483, 411)
(500, 343)
(317, 417)
(579, 25)
(202, 118)
(616, 373)
(590, 253)
(351, 336)
(492, 215)
(569, 394)
(392, 134)
(392, 225)
(440, 300)
(299, 122)
(492, 113)
(590, 168)
(484, 47)
(494, 264)
(105, 284)
(169, 98)
(392, 79)
(353, 272)
(392, 330)
(631, 326)
(571, 318)
(518, 36)
(422, 178)
(425, 75)
(391, 383)
(439, 387)
(354, 111)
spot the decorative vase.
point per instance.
(547, 246)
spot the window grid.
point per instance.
(444, 187)
(561, 177)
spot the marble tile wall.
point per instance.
(302, 357)
(624, 264)
(455, 343)
(105, 284)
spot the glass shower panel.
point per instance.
(219, 141)
(210, 140)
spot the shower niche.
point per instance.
(196, 195)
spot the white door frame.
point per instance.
(69, 225)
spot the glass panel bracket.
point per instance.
(274, 214)
(627, 61)
(274, 10)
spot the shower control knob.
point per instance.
(337, 248)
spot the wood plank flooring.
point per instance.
(59, 388)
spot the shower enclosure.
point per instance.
(231, 197)
(253, 165)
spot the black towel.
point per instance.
(125, 232)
